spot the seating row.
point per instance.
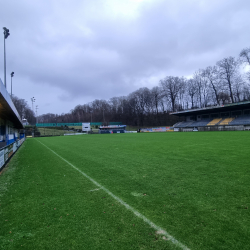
(241, 120)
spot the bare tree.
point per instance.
(223, 97)
(228, 70)
(238, 88)
(24, 110)
(191, 90)
(212, 74)
(181, 94)
(245, 59)
(157, 95)
(246, 93)
(171, 86)
(142, 103)
(245, 55)
(20, 105)
(202, 87)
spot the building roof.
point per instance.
(214, 109)
(7, 108)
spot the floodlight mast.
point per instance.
(33, 100)
(6, 34)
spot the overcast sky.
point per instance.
(70, 52)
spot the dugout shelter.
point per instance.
(234, 116)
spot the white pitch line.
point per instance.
(138, 214)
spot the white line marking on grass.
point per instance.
(145, 219)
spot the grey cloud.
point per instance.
(80, 48)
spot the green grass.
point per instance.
(193, 185)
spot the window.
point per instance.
(215, 115)
(225, 114)
(205, 116)
(236, 113)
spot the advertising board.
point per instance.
(8, 151)
(157, 129)
(1, 158)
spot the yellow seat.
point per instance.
(214, 122)
(226, 121)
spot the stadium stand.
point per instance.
(241, 120)
(10, 125)
(234, 116)
(177, 124)
(201, 123)
(184, 124)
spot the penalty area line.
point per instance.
(127, 206)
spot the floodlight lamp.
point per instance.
(12, 74)
(6, 32)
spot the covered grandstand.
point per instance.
(10, 121)
(234, 116)
(9, 118)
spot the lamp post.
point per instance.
(6, 34)
(12, 74)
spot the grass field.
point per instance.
(128, 191)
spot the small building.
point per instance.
(112, 129)
(86, 127)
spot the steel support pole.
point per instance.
(4, 63)
(11, 87)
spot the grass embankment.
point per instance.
(194, 185)
(53, 132)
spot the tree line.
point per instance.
(24, 110)
(225, 82)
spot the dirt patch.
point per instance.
(162, 232)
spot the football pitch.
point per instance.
(128, 191)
